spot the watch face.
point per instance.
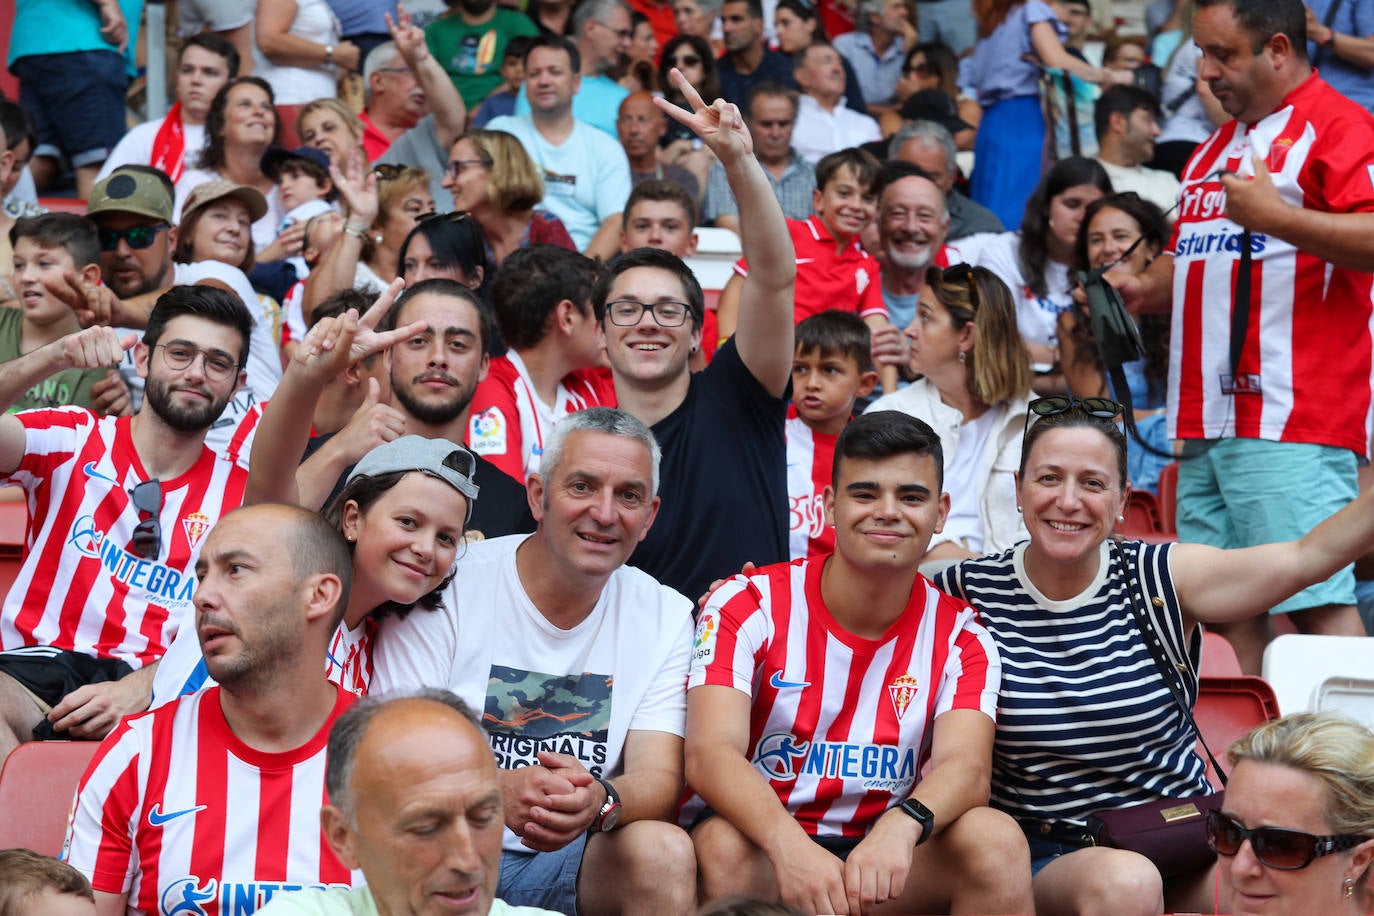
(610, 818)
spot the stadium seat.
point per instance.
(1142, 516)
(716, 254)
(1168, 497)
(37, 785)
(63, 205)
(1228, 708)
(1218, 657)
(1322, 672)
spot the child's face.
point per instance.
(513, 73)
(51, 903)
(35, 268)
(845, 204)
(295, 187)
(825, 385)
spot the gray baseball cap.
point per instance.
(439, 458)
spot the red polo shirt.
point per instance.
(848, 280)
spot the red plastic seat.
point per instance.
(1168, 498)
(37, 786)
(1142, 516)
(1218, 657)
(1228, 708)
(63, 205)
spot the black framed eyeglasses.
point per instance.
(455, 166)
(1275, 847)
(218, 366)
(668, 313)
(138, 237)
(147, 499)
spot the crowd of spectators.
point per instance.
(381, 366)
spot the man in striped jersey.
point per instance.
(821, 690)
(118, 511)
(210, 805)
(1277, 212)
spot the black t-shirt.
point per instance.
(723, 480)
(501, 507)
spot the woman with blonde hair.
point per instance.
(331, 127)
(492, 178)
(973, 389)
(1296, 835)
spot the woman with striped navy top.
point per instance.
(1085, 720)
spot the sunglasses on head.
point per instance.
(962, 273)
(138, 237)
(1102, 408)
(1275, 847)
(147, 499)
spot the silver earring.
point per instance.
(1121, 518)
(963, 356)
(1349, 885)
(1018, 510)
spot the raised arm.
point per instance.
(1217, 586)
(764, 331)
(329, 347)
(358, 189)
(88, 349)
(446, 104)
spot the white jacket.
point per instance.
(997, 466)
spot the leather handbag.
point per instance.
(1170, 832)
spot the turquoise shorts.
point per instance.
(1243, 492)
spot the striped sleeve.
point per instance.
(732, 636)
(104, 820)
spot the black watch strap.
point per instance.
(922, 815)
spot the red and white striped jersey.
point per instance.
(509, 421)
(82, 588)
(349, 662)
(809, 457)
(840, 726)
(179, 814)
(1306, 368)
(240, 447)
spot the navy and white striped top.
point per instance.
(1085, 720)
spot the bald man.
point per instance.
(193, 802)
(640, 126)
(415, 803)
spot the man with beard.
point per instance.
(912, 225)
(435, 367)
(470, 42)
(132, 208)
(210, 804)
(119, 508)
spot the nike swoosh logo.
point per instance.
(801, 261)
(157, 818)
(92, 472)
(777, 683)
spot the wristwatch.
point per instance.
(328, 55)
(609, 815)
(923, 816)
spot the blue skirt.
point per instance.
(1008, 157)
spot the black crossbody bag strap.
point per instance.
(1240, 307)
(1172, 678)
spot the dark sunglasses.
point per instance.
(1275, 847)
(689, 60)
(1102, 408)
(147, 499)
(388, 171)
(138, 237)
(921, 69)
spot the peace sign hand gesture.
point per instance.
(719, 124)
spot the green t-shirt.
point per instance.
(70, 386)
(471, 54)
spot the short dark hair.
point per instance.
(17, 125)
(885, 433)
(774, 90)
(24, 875)
(529, 285)
(517, 47)
(755, 7)
(836, 333)
(665, 190)
(318, 547)
(200, 301)
(339, 302)
(1263, 19)
(651, 257)
(1123, 100)
(74, 234)
(309, 168)
(558, 42)
(441, 286)
(215, 44)
(865, 166)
